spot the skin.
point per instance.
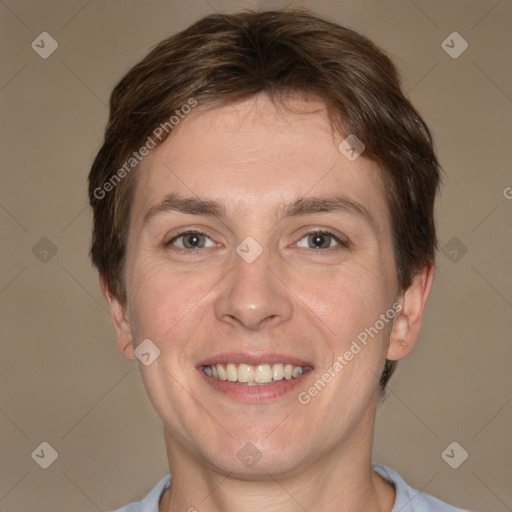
(294, 299)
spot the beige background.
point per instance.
(62, 380)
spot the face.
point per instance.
(255, 244)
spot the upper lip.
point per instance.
(254, 358)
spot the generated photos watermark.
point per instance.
(357, 345)
(138, 156)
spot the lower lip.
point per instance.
(254, 394)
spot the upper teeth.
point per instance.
(253, 374)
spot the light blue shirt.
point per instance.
(407, 498)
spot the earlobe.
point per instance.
(120, 320)
(407, 324)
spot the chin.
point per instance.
(258, 460)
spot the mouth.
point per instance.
(254, 375)
(253, 378)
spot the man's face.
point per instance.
(326, 273)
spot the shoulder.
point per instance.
(409, 499)
(150, 502)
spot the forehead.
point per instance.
(255, 155)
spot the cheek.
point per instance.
(349, 298)
(166, 302)
(350, 302)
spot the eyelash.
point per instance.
(184, 233)
(325, 232)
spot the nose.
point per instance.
(253, 296)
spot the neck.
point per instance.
(340, 481)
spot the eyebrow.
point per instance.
(328, 204)
(189, 205)
(302, 206)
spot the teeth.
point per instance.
(296, 372)
(278, 372)
(221, 372)
(231, 372)
(254, 374)
(245, 373)
(263, 374)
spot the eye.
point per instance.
(191, 240)
(320, 240)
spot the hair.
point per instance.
(222, 59)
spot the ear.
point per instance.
(121, 321)
(407, 324)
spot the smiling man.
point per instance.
(264, 233)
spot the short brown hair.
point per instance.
(224, 58)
